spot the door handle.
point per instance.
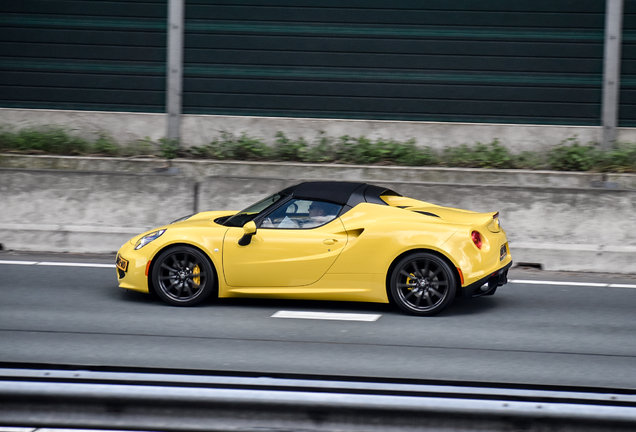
(330, 241)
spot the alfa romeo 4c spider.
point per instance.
(338, 241)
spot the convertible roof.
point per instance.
(343, 193)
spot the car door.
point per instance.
(284, 254)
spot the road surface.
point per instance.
(543, 328)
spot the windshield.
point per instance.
(244, 216)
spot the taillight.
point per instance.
(476, 238)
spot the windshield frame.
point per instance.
(259, 208)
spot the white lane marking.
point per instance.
(74, 430)
(621, 286)
(16, 429)
(581, 284)
(326, 316)
(59, 264)
(68, 264)
(539, 282)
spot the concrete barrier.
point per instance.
(81, 211)
(556, 220)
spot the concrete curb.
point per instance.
(305, 171)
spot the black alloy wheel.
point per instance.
(183, 276)
(423, 284)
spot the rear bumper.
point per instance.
(493, 280)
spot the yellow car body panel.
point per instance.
(348, 259)
(199, 231)
(282, 258)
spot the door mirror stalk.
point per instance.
(249, 229)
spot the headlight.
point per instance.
(181, 219)
(148, 238)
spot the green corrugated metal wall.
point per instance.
(498, 61)
(86, 55)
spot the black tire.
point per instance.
(423, 284)
(183, 276)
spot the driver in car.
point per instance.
(318, 215)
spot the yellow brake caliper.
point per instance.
(409, 280)
(196, 279)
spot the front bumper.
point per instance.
(493, 281)
(134, 277)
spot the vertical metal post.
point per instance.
(611, 70)
(174, 76)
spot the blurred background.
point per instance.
(492, 65)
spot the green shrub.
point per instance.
(44, 140)
(169, 148)
(570, 155)
(290, 150)
(106, 145)
(231, 147)
(322, 150)
(492, 155)
(620, 159)
(143, 147)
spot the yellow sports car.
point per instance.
(323, 241)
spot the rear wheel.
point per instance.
(423, 284)
(183, 276)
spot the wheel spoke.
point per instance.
(167, 267)
(179, 290)
(406, 285)
(425, 269)
(166, 278)
(439, 283)
(428, 299)
(416, 271)
(437, 293)
(419, 299)
(408, 296)
(405, 273)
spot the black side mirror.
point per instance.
(249, 229)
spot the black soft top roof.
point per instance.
(342, 193)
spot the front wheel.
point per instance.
(423, 284)
(183, 276)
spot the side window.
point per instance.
(301, 214)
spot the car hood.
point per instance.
(202, 219)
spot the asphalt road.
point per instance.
(527, 333)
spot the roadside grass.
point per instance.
(568, 155)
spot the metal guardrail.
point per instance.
(142, 401)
